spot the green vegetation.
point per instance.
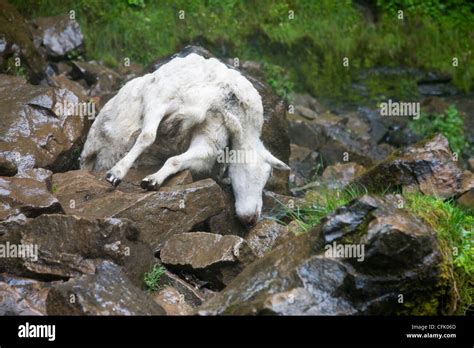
(450, 123)
(153, 277)
(310, 47)
(455, 229)
(321, 203)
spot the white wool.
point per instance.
(204, 106)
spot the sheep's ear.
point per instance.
(274, 162)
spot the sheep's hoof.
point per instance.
(149, 185)
(112, 179)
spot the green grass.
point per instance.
(152, 277)
(450, 123)
(454, 227)
(455, 230)
(310, 48)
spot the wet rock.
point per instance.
(16, 41)
(26, 196)
(39, 174)
(22, 296)
(192, 296)
(265, 235)
(304, 165)
(69, 246)
(303, 276)
(62, 81)
(105, 292)
(466, 199)
(429, 165)
(210, 256)
(276, 206)
(173, 302)
(226, 222)
(471, 163)
(341, 174)
(37, 131)
(174, 210)
(101, 79)
(158, 215)
(306, 112)
(307, 101)
(58, 35)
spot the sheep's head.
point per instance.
(248, 178)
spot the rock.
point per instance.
(306, 112)
(16, 41)
(59, 35)
(26, 196)
(398, 254)
(174, 210)
(428, 165)
(226, 222)
(265, 235)
(276, 206)
(173, 302)
(158, 215)
(304, 165)
(37, 131)
(101, 79)
(62, 81)
(275, 126)
(466, 199)
(341, 174)
(39, 174)
(471, 163)
(69, 246)
(307, 101)
(192, 296)
(210, 256)
(22, 296)
(105, 292)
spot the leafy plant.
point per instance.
(450, 123)
(152, 277)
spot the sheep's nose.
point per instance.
(249, 220)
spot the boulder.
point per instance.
(58, 35)
(26, 196)
(22, 296)
(304, 165)
(226, 222)
(428, 165)
(69, 246)
(341, 174)
(192, 296)
(107, 291)
(36, 129)
(101, 79)
(367, 258)
(466, 199)
(16, 41)
(172, 301)
(38, 174)
(158, 215)
(210, 256)
(264, 236)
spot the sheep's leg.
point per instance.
(151, 121)
(200, 157)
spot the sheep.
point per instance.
(204, 107)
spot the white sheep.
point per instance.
(205, 107)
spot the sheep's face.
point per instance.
(248, 181)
